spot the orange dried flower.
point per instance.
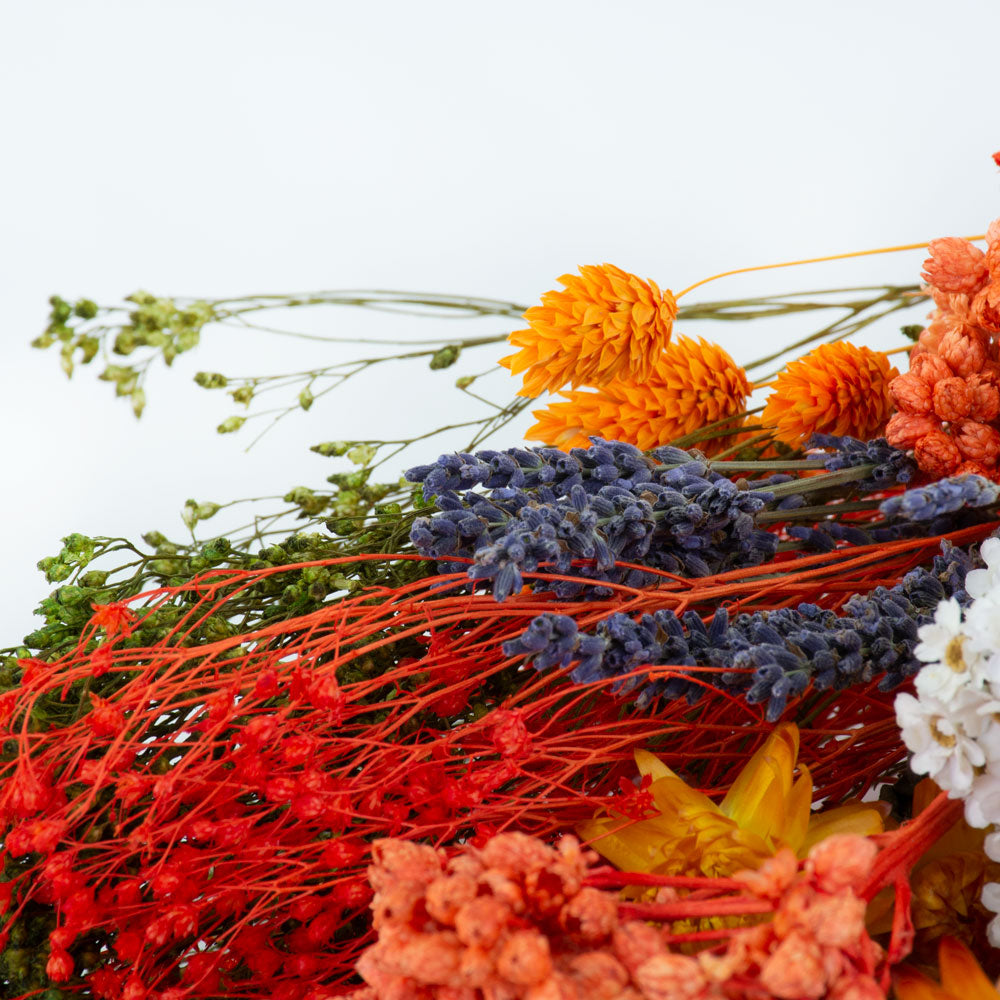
(929, 368)
(911, 395)
(693, 383)
(985, 307)
(836, 389)
(964, 348)
(977, 442)
(937, 454)
(955, 265)
(984, 398)
(952, 399)
(607, 324)
(974, 469)
(904, 430)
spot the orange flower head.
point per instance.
(607, 324)
(836, 389)
(693, 383)
(955, 265)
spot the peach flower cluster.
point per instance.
(515, 919)
(948, 403)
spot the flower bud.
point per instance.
(211, 380)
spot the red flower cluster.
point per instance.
(517, 919)
(948, 403)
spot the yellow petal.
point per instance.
(797, 811)
(861, 818)
(649, 763)
(768, 770)
(636, 847)
(961, 974)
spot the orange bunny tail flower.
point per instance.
(693, 384)
(955, 265)
(607, 324)
(836, 389)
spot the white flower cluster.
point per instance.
(952, 726)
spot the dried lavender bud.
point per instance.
(769, 656)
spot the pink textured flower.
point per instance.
(590, 915)
(671, 977)
(525, 958)
(955, 265)
(402, 859)
(480, 922)
(937, 454)
(597, 975)
(841, 861)
(911, 395)
(794, 970)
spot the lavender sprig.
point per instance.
(768, 656)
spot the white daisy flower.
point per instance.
(984, 582)
(942, 738)
(936, 638)
(992, 846)
(982, 807)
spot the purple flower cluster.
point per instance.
(603, 505)
(891, 466)
(768, 656)
(939, 499)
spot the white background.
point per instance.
(217, 148)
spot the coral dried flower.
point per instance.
(693, 383)
(606, 324)
(836, 389)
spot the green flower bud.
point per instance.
(94, 578)
(464, 381)
(142, 298)
(89, 346)
(61, 309)
(446, 357)
(211, 380)
(125, 341)
(231, 424)
(116, 373)
(71, 595)
(340, 525)
(187, 339)
(244, 394)
(154, 538)
(306, 398)
(362, 454)
(58, 571)
(85, 309)
(43, 340)
(138, 397)
(911, 330)
(350, 480)
(331, 448)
